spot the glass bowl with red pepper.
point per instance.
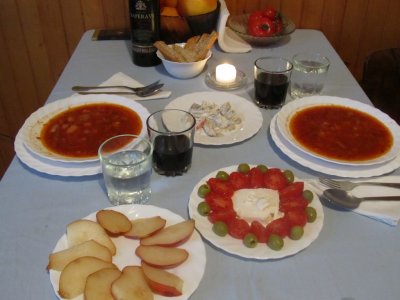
(261, 27)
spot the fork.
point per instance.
(348, 185)
(79, 88)
(141, 92)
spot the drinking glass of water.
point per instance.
(126, 162)
(271, 81)
(309, 73)
(172, 133)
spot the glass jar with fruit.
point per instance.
(181, 19)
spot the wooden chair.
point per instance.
(381, 81)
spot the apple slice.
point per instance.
(58, 260)
(73, 277)
(145, 227)
(171, 236)
(131, 285)
(162, 257)
(113, 221)
(162, 282)
(83, 230)
(98, 284)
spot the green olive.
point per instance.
(289, 175)
(311, 214)
(203, 190)
(203, 208)
(243, 168)
(220, 228)
(263, 168)
(275, 242)
(222, 175)
(296, 232)
(308, 195)
(250, 240)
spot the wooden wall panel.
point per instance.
(37, 37)
(311, 14)
(72, 18)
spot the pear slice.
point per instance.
(98, 284)
(83, 230)
(73, 277)
(58, 260)
(162, 257)
(171, 236)
(162, 282)
(131, 285)
(145, 227)
(113, 221)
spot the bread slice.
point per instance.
(168, 52)
(192, 42)
(204, 44)
(189, 56)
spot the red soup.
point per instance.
(340, 133)
(79, 131)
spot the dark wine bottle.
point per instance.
(145, 30)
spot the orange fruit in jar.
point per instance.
(169, 11)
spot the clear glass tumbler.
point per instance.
(126, 162)
(271, 81)
(309, 73)
(172, 133)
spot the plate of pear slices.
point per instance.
(103, 252)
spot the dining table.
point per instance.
(354, 257)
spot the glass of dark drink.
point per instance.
(172, 133)
(271, 81)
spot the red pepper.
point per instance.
(260, 25)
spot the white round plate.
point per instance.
(191, 271)
(34, 124)
(261, 251)
(326, 167)
(289, 109)
(251, 116)
(53, 167)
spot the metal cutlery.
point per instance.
(141, 92)
(348, 185)
(79, 88)
(343, 199)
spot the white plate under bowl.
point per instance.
(53, 167)
(326, 167)
(191, 271)
(291, 108)
(251, 116)
(34, 124)
(261, 251)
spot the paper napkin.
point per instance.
(384, 211)
(123, 79)
(229, 41)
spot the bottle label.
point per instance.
(144, 17)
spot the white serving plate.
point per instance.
(326, 167)
(191, 271)
(251, 116)
(33, 125)
(261, 251)
(287, 111)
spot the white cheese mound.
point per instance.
(257, 205)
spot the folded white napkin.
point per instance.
(229, 41)
(384, 211)
(123, 79)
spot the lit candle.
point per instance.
(225, 73)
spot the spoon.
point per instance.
(145, 92)
(78, 88)
(342, 198)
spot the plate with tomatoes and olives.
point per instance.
(256, 211)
